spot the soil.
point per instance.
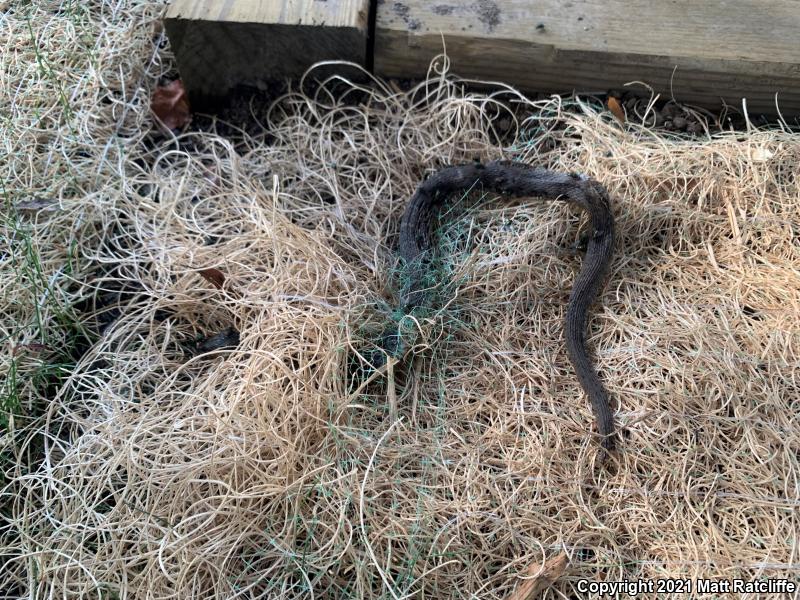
(243, 107)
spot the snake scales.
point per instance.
(516, 179)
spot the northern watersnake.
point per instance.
(516, 179)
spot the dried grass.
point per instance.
(261, 471)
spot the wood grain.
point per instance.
(700, 52)
(331, 13)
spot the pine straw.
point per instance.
(262, 471)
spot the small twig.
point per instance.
(541, 578)
(390, 388)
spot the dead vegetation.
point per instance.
(134, 467)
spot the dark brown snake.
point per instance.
(517, 179)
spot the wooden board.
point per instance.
(220, 44)
(695, 51)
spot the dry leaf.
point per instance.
(171, 105)
(31, 347)
(616, 108)
(214, 276)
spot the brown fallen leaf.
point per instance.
(30, 348)
(171, 105)
(213, 276)
(616, 108)
(541, 578)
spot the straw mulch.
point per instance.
(267, 470)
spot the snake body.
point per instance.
(518, 179)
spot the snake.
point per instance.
(515, 179)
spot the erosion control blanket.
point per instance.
(146, 458)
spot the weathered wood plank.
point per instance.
(700, 52)
(220, 44)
